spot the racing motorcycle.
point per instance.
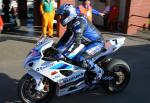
(48, 75)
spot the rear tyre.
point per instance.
(28, 94)
(120, 71)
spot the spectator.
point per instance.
(86, 9)
(47, 9)
(106, 16)
(113, 18)
(1, 24)
(14, 12)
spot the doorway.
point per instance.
(30, 7)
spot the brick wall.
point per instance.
(139, 10)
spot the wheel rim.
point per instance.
(30, 94)
(120, 78)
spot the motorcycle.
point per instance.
(48, 76)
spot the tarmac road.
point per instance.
(136, 53)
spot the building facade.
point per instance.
(133, 14)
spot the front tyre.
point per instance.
(28, 94)
(120, 72)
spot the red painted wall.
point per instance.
(139, 10)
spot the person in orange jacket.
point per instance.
(86, 9)
(1, 24)
(47, 8)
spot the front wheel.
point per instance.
(28, 94)
(120, 72)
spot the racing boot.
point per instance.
(93, 73)
(98, 71)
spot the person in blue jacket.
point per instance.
(79, 31)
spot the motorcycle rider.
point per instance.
(79, 31)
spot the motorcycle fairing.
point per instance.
(53, 69)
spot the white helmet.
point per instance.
(68, 13)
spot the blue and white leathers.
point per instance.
(68, 76)
(90, 31)
(77, 30)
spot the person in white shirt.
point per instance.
(14, 12)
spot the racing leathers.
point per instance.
(81, 31)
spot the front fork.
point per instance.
(39, 80)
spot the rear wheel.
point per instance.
(28, 94)
(120, 72)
